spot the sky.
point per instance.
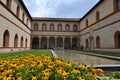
(59, 8)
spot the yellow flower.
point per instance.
(75, 71)
(81, 78)
(34, 78)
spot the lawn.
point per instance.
(36, 52)
(115, 54)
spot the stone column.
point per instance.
(47, 42)
(71, 42)
(39, 42)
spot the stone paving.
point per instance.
(85, 58)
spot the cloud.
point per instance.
(59, 8)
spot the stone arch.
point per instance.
(74, 43)
(97, 42)
(6, 38)
(18, 11)
(75, 27)
(97, 16)
(117, 39)
(116, 4)
(8, 3)
(44, 27)
(35, 43)
(67, 27)
(21, 43)
(67, 43)
(16, 41)
(51, 27)
(36, 26)
(51, 42)
(44, 42)
(59, 27)
(87, 44)
(59, 42)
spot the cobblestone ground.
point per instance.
(87, 59)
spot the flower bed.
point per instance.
(31, 67)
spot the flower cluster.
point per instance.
(31, 67)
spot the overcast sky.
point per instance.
(59, 8)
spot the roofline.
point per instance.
(55, 19)
(92, 9)
(22, 3)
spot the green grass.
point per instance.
(115, 54)
(36, 52)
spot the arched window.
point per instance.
(44, 27)
(35, 26)
(21, 44)
(87, 43)
(116, 5)
(16, 41)
(27, 22)
(26, 43)
(97, 42)
(117, 39)
(86, 22)
(51, 27)
(97, 16)
(74, 28)
(23, 16)
(59, 27)
(8, 3)
(18, 11)
(67, 28)
(6, 39)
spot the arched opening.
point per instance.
(44, 27)
(21, 44)
(97, 42)
(59, 27)
(36, 26)
(6, 39)
(51, 42)
(87, 43)
(67, 43)
(67, 28)
(59, 42)
(16, 41)
(51, 27)
(116, 5)
(75, 28)
(117, 39)
(35, 43)
(86, 22)
(18, 11)
(26, 43)
(8, 3)
(74, 43)
(44, 42)
(97, 16)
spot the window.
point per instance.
(44, 27)
(6, 39)
(18, 11)
(117, 39)
(23, 17)
(67, 28)
(16, 41)
(8, 3)
(75, 28)
(51, 27)
(59, 27)
(87, 43)
(27, 22)
(116, 5)
(97, 16)
(86, 22)
(35, 26)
